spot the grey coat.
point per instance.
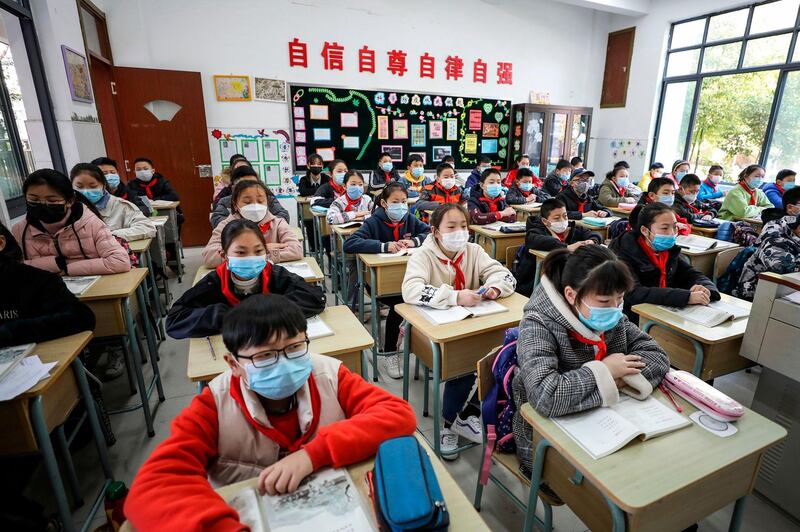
(223, 210)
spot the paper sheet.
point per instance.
(24, 376)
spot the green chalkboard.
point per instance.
(357, 125)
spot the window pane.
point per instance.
(796, 57)
(727, 25)
(90, 32)
(723, 57)
(731, 120)
(688, 33)
(784, 151)
(682, 63)
(767, 51)
(774, 16)
(11, 169)
(674, 126)
(580, 123)
(558, 140)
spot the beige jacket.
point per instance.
(126, 220)
(243, 451)
(429, 281)
(279, 232)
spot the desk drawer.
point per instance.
(787, 312)
(108, 313)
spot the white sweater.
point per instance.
(429, 281)
(126, 220)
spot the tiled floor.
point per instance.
(133, 446)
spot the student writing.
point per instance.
(746, 200)
(486, 201)
(444, 190)
(523, 188)
(384, 174)
(334, 188)
(222, 209)
(117, 186)
(577, 200)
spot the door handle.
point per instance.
(127, 167)
(204, 170)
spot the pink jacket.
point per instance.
(87, 244)
(279, 232)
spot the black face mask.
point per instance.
(44, 213)
(315, 170)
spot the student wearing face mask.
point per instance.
(384, 174)
(550, 230)
(444, 190)
(615, 189)
(223, 207)
(280, 412)
(523, 162)
(414, 179)
(662, 276)
(656, 170)
(118, 187)
(124, 219)
(708, 189)
(334, 188)
(314, 178)
(557, 180)
(237, 160)
(687, 206)
(353, 205)
(791, 207)
(524, 189)
(577, 199)
(679, 169)
(576, 349)
(484, 163)
(487, 203)
(784, 180)
(245, 270)
(62, 231)
(447, 271)
(662, 190)
(249, 202)
(746, 200)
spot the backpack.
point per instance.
(617, 228)
(728, 281)
(498, 407)
(744, 234)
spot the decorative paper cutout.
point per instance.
(437, 102)
(418, 135)
(327, 154)
(300, 155)
(351, 143)
(475, 119)
(250, 150)
(299, 112)
(490, 129)
(489, 146)
(383, 127)
(349, 119)
(318, 112)
(300, 124)
(437, 129)
(471, 143)
(300, 136)
(452, 129)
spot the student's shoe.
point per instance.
(393, 368)
(448, 444)
(469, 428)
(384, 311)
(115, 365)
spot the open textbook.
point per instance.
(599, 222)
(79, 285)
(458, 313)
(712, 314)
(402, 252)
(13, 355)
(696, 242)
(605, 430)
(303, 269)
(326, 501)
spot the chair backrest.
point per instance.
(511, 255)
(723, 260)
(485, 375)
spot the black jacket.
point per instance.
(684, 210)
(553, 184)
(305, 187)
(162, 189)
(680, 276)
(374, 235)
(377, 180)
(325, 195)
(36, 306)
(200, 310)
(480, 211)
(539, 237)
(131, 195)
(573, 201)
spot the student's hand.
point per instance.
(274, 246)
(591, 214)
(700, 288)
(394, 247)
(602, 214)
(531, 199)
(699, 297)
(629, 200)
(620, 364)
(508, 211)
(285, 475)
(361, 215)
(468, 298)
(682, 227)
(406, 243)
(491, 293)
(576, 245)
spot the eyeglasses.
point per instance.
(270, 358)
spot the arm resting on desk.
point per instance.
(198, 312)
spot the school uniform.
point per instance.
(158, 188)
(413, 184)
(123, 192)
(553, 184)
(777, 251)
(275, 230)
(708, 191)
(633, 217)
(344, 210)
(560, 368)
(225, 435)
(741, 202)
(517, 196)
(380, 178)
(662, 278)
(223, 209)
(308, 186)
(511, 176)
(540, 238)
(691, 211)
(577, 205)
(484, 210)
(327, 193)
(774, 193)
(201, 309)
(37, 306)
(611, 195)
(124, 219)
(434, 195)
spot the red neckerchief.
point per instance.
(752, 193)
(388, 176)
(779, 188)
(562, 236)
(524, 193)
(621, 190)
(449, 196)
(599, 344)
(658, 259)
(225, 280)
(270, 432)
(124, 196)
(582, 206)
(711, 184)
(351, 205)
(149, 186)
(492, 203)
(396, 228)
(338, 189)
(460, 281)
(265, 227)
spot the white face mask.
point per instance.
(254, 212)
(455, 241)
(559, 227)
(448, 183)
(144, 175)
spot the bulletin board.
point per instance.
(358, 125)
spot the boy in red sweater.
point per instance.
(279, 413)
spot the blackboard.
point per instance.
(357, 125)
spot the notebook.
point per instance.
(303, 269)
(402, 252)
(514, 226)
(599, 222)
(696, 242)
(161, 204)
(11, 356)
(458, 313)
(605, 430)
(326, 501)
(316, 328)
(710, 315)
(354, 223)
(79, 285)
(794, 297)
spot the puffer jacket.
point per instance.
(274, 229)
(85, 243)
(778, 251)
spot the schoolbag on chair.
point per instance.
(728, 281)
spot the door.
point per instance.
(618, 68)
(103, 87)
(162, 117)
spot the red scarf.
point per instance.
(450, 196)
(272, 433)
(148, 188)
(265, 227)
(562, 236)
(337, 189)
(658, 259)
(460, 281)
(395, 228)
(525, 194)
(711, 184)
(779, 188)
(225, 280)
(492, 203)
(351, 205)
(388, 176)
(752, 193)
(582, 206)
(621, 190)
(124, 196)
(599, 344)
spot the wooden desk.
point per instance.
(140, 246)
(495, 242)
(704, 260)
(318, 277)
(350, 338)
(620, 212)
(453, 349)
(667, 483)
(540, 256)
(29, 418)
(340, 274)
(526, 210)
(708, 352)
(710, 232)
(172, 230)
(602, 231)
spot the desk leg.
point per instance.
(617, 516)
(320, 250)
(200, 386)
(536, 482)
(406, 357)
(437, 407)
(173, 218)
(375, 322)
(137, 365)
(152, 345)
(425, 392)
(160, 311)
(91, 413)
(69, 465)
(698, 347)
(302, 227)
(738, 514)
(538, 274)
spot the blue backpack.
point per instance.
(618, 227)
(730, 279)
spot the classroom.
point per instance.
(463, 265)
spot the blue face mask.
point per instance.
(667, 199)
(525, 166)
(387, 167)
(601, 319)
(664, 242)
(623, 181)
(527, 187)
(113, 180)
(755, 182)
(396, 211)
(788, 186)
(339, 177)
(354, 192)
(679, 176)
(247, 267)
(281, 380)
(493, 190)
(93, 194)
(564, 177)
(418, 171)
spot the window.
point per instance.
(15, 150)
(723, 77)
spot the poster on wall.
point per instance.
(269, 90)
(80, 86)
(268, 150)
(232, 88)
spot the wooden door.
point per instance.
(103, 87)
(162, 117)
(618, 68)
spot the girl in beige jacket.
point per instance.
(447, 271)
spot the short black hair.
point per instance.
(415, 157)
(259, 319)
(442, 167)
(243, 171)
(575, 160)
(690, 180)
(484, 159)
(105, 161)
(563, 163)
(783, 174)
(384, 154)
(486, 173)
(659, 182)
(524, 172)
(314, 157)
(549, 205)
(12, 252)
(715, 167)
(791, 197)
(235, 228)
(656, 166)
(588, 270)
(649, 213)
(142, 160)
(351, 173)
(235, 157)
(448, 158)
(623, 164)
(438, 214)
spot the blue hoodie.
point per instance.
(374, 236)
(774, 194)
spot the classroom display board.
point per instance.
(358, 125)
(268, 150)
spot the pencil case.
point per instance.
(512, 229)
(405, 490)
(704, 396)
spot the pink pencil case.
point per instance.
(704, 396)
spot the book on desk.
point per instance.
(696, 242)
(710, 315)
(79, 285)
(458, 313)
(13, 355)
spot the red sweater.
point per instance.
(171, 490)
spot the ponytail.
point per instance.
(589, 269)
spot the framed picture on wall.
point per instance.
(232, 88)
(80, 85)
(270, 90)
